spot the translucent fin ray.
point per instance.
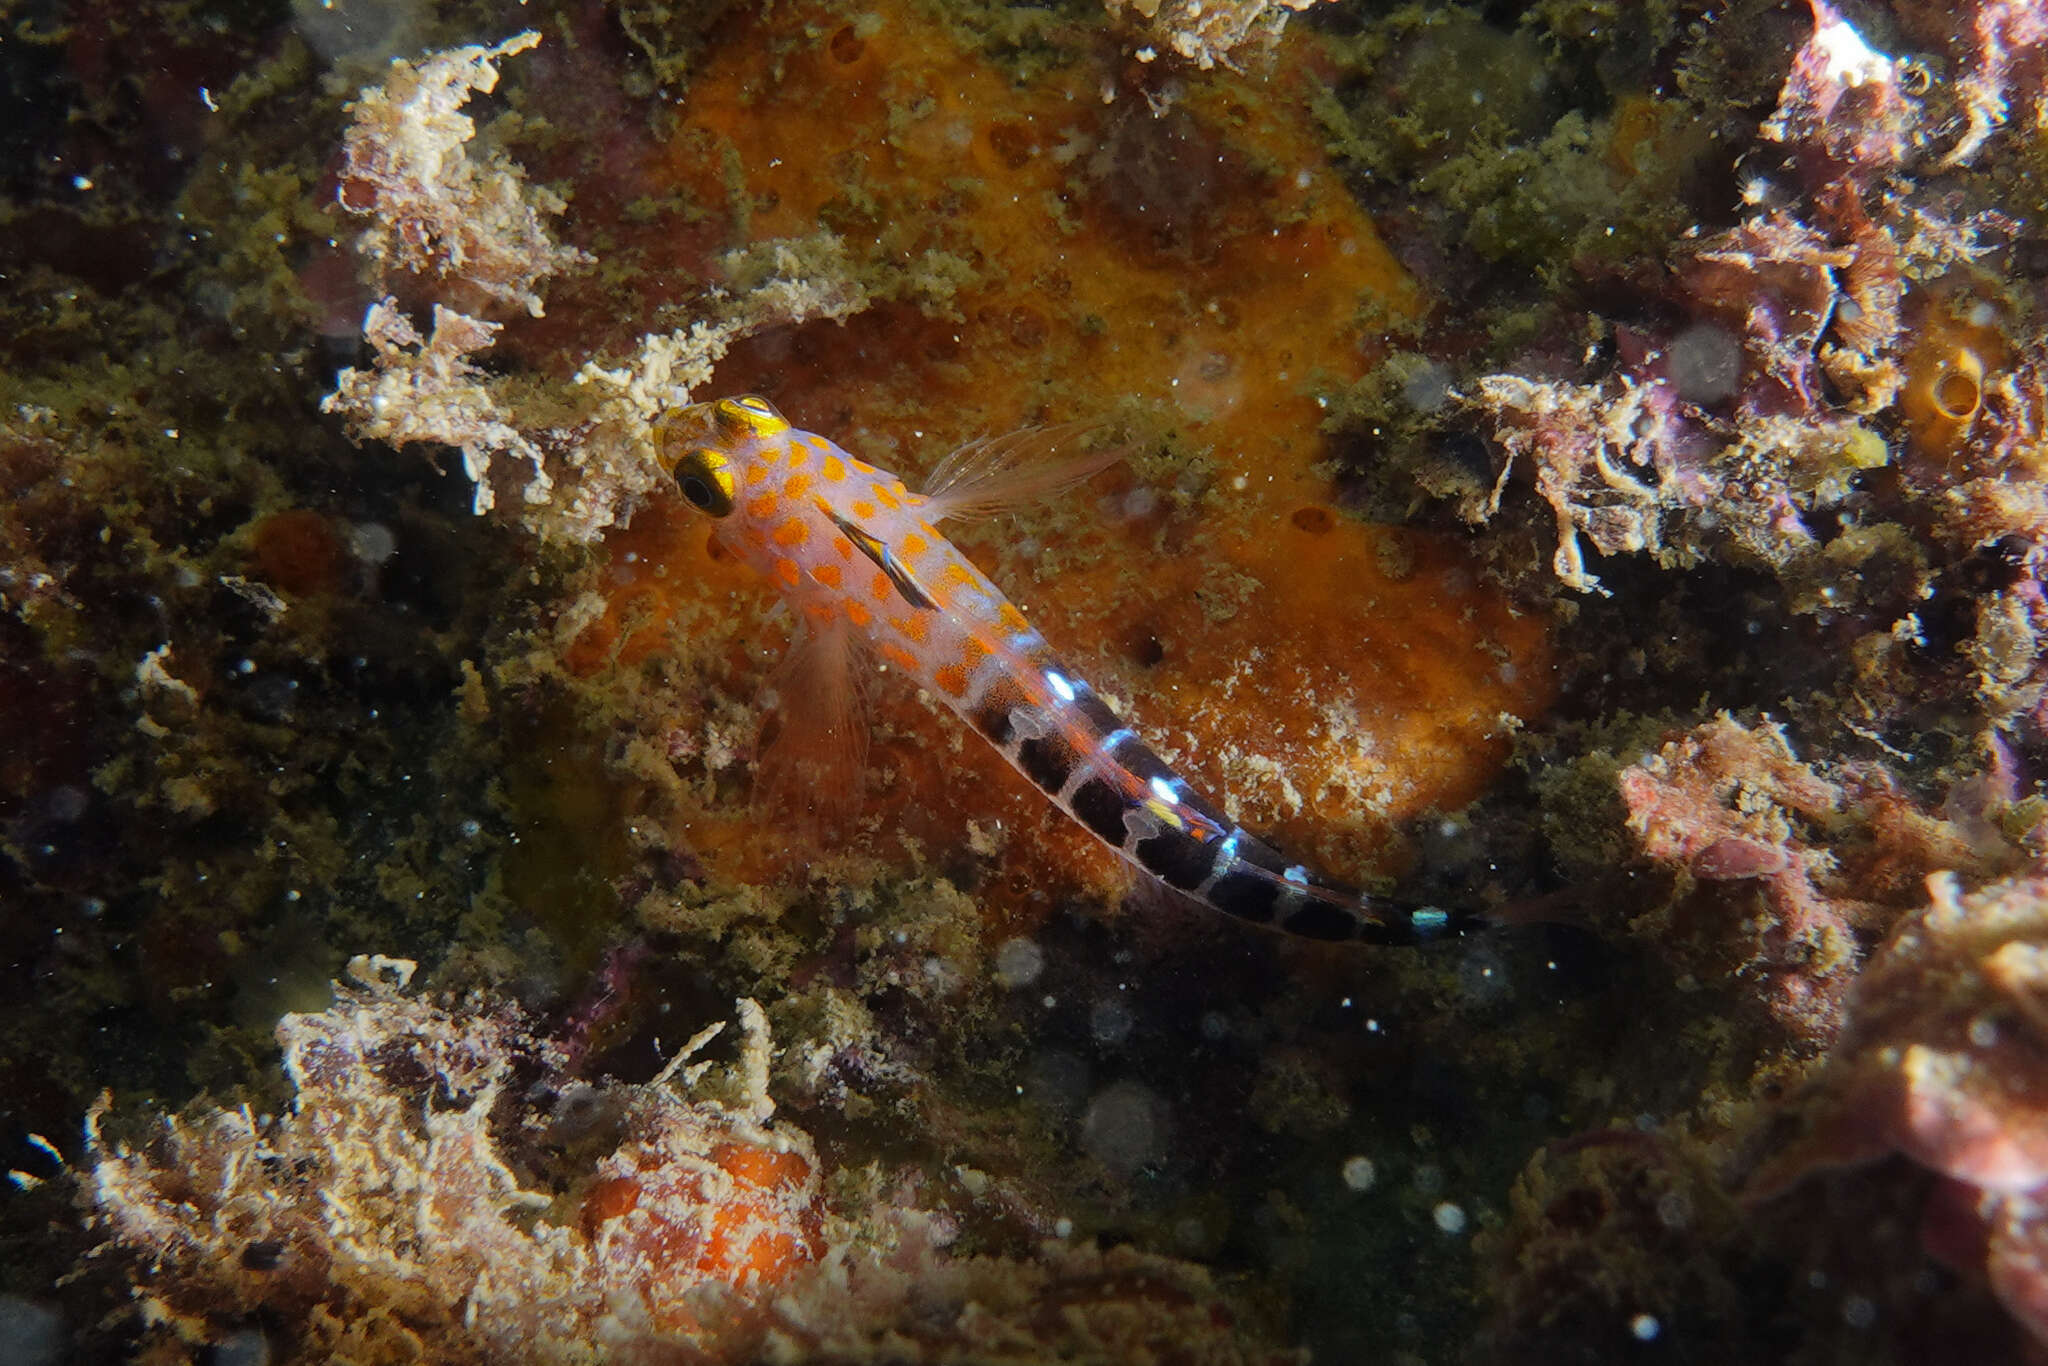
(810, 771)
(1003, 473)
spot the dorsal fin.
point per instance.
(1003, 473)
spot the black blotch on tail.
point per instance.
(1097, 712)
(1098, 806)
(1137, 758)
(1321, 920)
(1246, 897)
(1047, 761)
(993, 722)
(1176, 859)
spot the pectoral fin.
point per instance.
(884, 558)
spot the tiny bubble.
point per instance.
(1644, 1327)
(1359, 1173)
(1449, 1217)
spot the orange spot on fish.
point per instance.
(792, 533)
(844, 547)
(864, 510)
(820, 612)
(1013, 618)
(879, 587)
(887, 495)
(913, 544)
(761, 506)
(857, 612)
(863, 467)
(952, 680)
(834, 468)
(898, 656)
(972, 651)
(787, 572)
(796, 484)
(914, 626)
(957, 575)
(827, 574)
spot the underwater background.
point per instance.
(1586, 463)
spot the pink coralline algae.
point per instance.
(1844, 109)
(1829, 862)
(1945, 1061)
(1843, 326)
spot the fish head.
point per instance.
(714, 450)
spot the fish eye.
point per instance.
(705, 478)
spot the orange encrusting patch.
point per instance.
(1395, 682)
(743, 1215)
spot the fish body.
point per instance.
(859, 556)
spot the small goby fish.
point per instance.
(861, 559)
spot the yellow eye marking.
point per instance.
(748, 416)
(705, 478)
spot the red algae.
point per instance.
(401, 1212)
